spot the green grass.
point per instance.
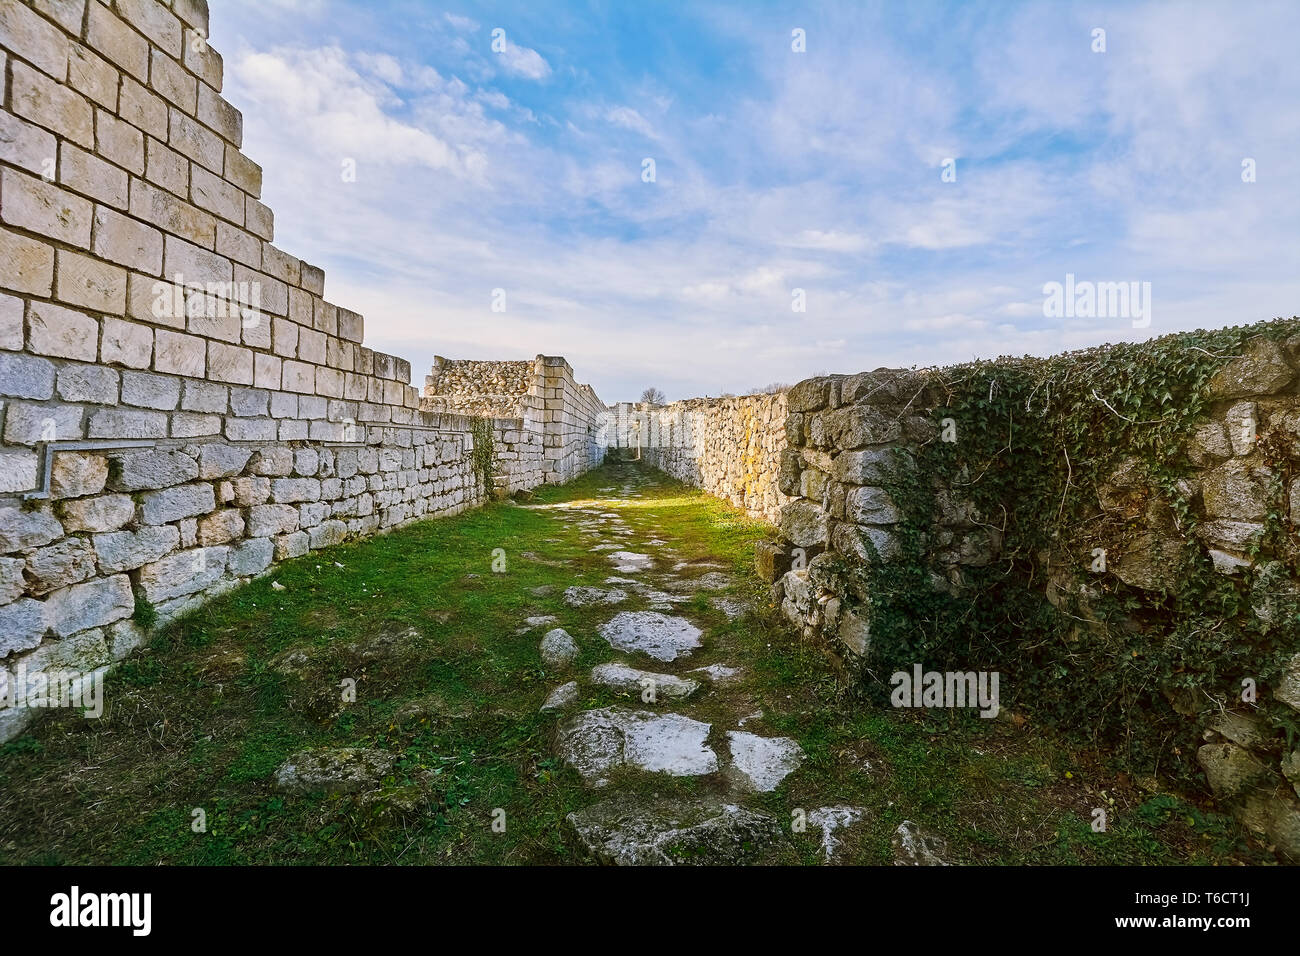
(201, 718)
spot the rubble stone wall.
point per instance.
(1116, 531)
(730, 447)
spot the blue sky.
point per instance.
(776, 170)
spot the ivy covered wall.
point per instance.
(1115, 531)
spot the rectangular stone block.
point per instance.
(28, 264)
(90, 283)
(62, 333)
(204, 62)
(46, 103)
(194, 425)
(127, 241)
(211, 192)
(119, 141)
(191, 138)
(220, 116)
(194, 263)
(143, 109)
(31, 424)
(27, 145)
(31, 203)
(25, 376)
(179, 354)
(91, 176)
(151, 391)
(184, 572)
(243, 172)
(299, 377)
(92, 76)
(172, 82)
(172, 215)
(88, 383)
(127, 423)
(117, 41)
(34, 38)
(125, 343)
(120, 551)
(241, 246)
(230, 363)
(173, 504)
(155, 21)
(205, 397)
(92, 604)
(259, 219)
(167, 168)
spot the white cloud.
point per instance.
(524, 61)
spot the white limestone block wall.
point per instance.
(180, 406)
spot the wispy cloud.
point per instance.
(775, 170)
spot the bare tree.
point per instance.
(652, 396)
(769, 389)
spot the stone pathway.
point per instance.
(668, 668)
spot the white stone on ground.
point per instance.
(562, 696)
(626, 561)
(915, 848)
(622, 677)
(596, 742)
(663, 637)
(730, 607)
(338, 770)
(761, 763)
(578, 596)
(830, 819)
(718, 673)
(630, 832)
(558, 648)
(539, 620)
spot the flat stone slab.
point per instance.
(631, 832)
(562, 696)
(629, 679)
(339, 770)
(761, 763)
(830, 819)
(718, 673)
(597, 742)
(578, 596)
(626, 561)
(536, 621)
(661, 636)
(730, 607)
(709, 581)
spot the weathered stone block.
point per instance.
(59, 565)
(184, 572)
(173, 504)
(103, 513)
(145, 471)
(126, 550)
(92, 604)
(22, 528)
(1262, 370)
(77, 475)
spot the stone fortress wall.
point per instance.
(547, 427)
(729, 447)
(822, 461)
(182, 407)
